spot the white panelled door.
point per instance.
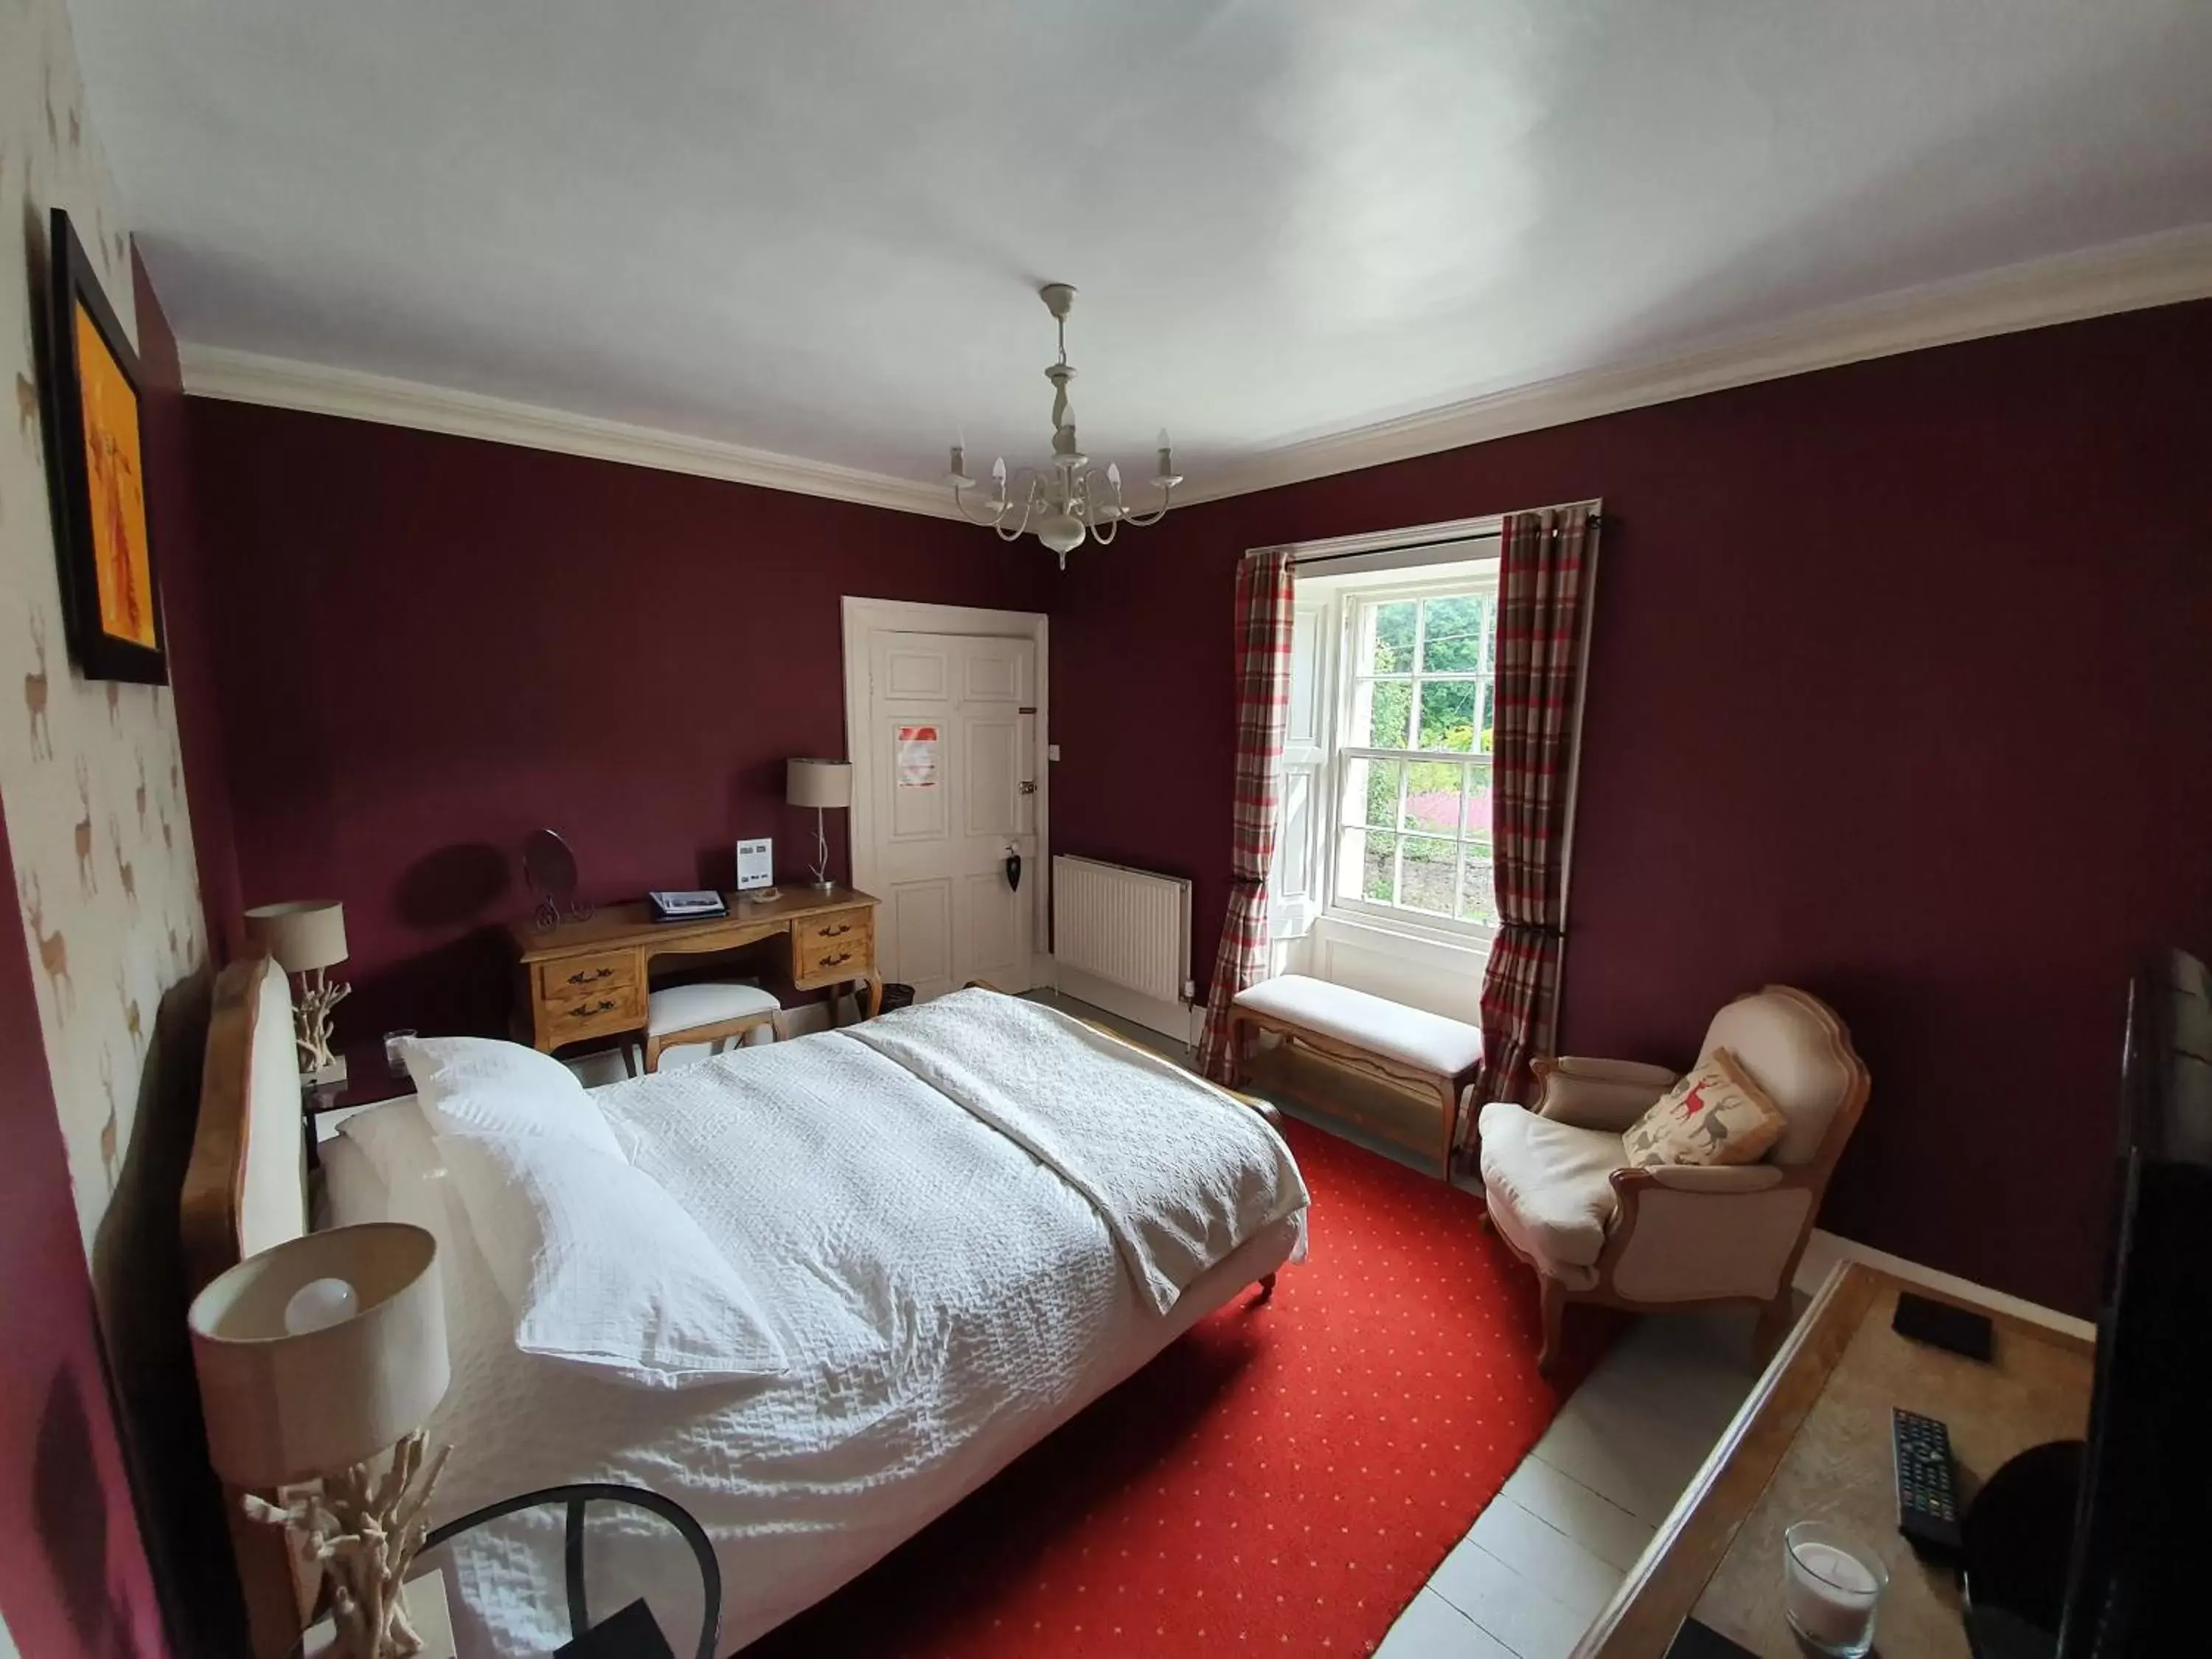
(950, 721)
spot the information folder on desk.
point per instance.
(691, 904)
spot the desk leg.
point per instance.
(875, 984)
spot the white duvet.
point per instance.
(945, 1293)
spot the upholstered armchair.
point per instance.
(1560, 1189)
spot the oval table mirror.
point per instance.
(549, 868)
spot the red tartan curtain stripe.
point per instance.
(1543, 584)
(1265, 594)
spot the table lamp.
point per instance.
(306, 937)
(315, 1358)
(818, 784)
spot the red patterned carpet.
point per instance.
(1283, 1480)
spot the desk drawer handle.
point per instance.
(842, 956)
(841, 927)
(605, 1005)
(585, 979)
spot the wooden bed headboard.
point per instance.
(245, 1189)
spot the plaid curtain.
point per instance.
(1264, 594)
(1544, 579)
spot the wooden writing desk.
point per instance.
(588, 979)
(1812, 1443)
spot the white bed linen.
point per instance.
(1180, 1173)
(943, 1298)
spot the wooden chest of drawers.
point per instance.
(590, 979)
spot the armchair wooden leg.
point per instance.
(1775, 1320)
(1266, 1289)
(1555, 1319)
(1237, 1032)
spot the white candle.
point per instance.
(1831, 1596)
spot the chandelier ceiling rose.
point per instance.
(1069, 499)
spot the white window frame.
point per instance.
(1304, 915)
(1473, 576)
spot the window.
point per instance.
(1409, 765)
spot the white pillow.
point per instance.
(479, 1085)
(602, 1267)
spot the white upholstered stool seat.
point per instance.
(1550, 1187)
(1413, 1037)
(702, 1013)
(1410, 1047)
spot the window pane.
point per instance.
(1433, 792)
(1381, 715)
(1447, 715)
(1364, 865)
(1393, 639)
(1477, 901)
(1477, 809)
(1370, 792)
(1452, 634)
(1485, 726)
(1428, 875)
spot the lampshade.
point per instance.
(285, 1403)
(817, 782)
(304, 934)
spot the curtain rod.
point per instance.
(1402, 547)
(1419, 547)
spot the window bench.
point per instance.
(1410, 1048)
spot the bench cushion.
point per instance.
(1412, 1036)
(688, 1007)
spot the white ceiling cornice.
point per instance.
(2155, 271)
(2134, 275)
(246, 377)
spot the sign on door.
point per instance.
(917, 757)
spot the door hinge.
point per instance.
(1028, 788)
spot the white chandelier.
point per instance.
(1071, 498)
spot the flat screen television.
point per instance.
(2110, 1540)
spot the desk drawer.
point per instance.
(593, 1013)
(836, 946)
(569, 979)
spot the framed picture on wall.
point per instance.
(96, 471)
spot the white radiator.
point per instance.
(1129, 927)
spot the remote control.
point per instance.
(1926, 1504)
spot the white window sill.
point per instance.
(1365, 928)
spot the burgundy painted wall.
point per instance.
(74, 1579)
(1901, 691)
(428, 647)
(185, 619)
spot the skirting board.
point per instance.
(1176, 1021)
(1824, 1249)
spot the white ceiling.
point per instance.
(815, 228)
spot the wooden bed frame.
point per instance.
(245, 1190)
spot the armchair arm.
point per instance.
(1685, 1234)
(1715, 1177)
(1597, 1094)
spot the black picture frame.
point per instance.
(101, 651)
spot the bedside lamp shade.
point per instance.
(302, 936)
(817, 783)
(320, 1353)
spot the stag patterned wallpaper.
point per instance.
(91, 781)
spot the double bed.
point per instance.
(963, 1224)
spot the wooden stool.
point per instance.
(703, 1013)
